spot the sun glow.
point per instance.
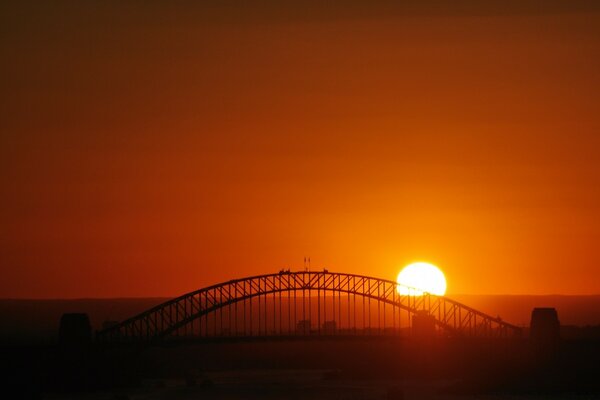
(418, 278)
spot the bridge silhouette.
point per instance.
(302, 304)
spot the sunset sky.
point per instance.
(150, 149)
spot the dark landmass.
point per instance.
(36, 366)
(27, 321)
(338, 368)
(572, 310)
(36, 321)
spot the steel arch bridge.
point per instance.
(301, 304)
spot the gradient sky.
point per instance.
(150, 149)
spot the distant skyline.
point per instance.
(152, 149)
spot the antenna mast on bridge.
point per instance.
(306, 264)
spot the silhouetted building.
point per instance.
(303, 327)
(75, 329)
(423, 325)
(545, 330)
(329, 327)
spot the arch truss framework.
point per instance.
(303, 303)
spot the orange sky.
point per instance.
(149, 150)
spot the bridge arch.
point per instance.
(169, 318)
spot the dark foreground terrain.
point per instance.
(33, 366)
(317, 368)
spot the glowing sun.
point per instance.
(421, 277)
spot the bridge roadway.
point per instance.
(305, 304)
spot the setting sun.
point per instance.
(420, 277)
